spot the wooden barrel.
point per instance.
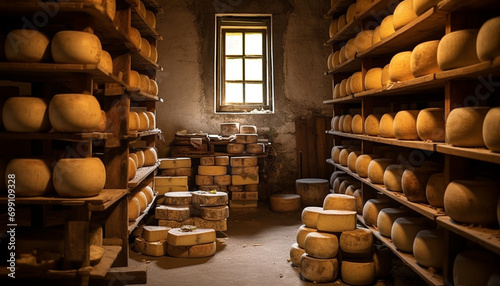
(312, 191)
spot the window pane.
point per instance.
(253, 43)
(234, 44)
(234, 92)
(253, 93)
(234, 69)
(253, 69)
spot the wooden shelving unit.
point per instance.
(141, 175)
(133, 224)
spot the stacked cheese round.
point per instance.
(23, 45)
(458, 49)
(154, 54)
(385, 80)
(336, 59)
(339, 202)
(491, 129)
(73, 112)
(399, 67)
(335, 154)
(350, 49)
(404, 230)
(336, 220)
(464, 126)
(488, 40)
(135, 37)
(357, 83)
(403, 14)
(393, 175)
(335, 175)
(372, 124)
(309, 216)
(26, 114)
(424, 59)
(386, 218)
(405, 125)
(358, 273)
(428, 248)
(431, 124)
(434, 191)
(151, 18)
(75, 47)
(329, 62)
(356, 241)
(318, 270)
(33, 177)
(143, 121)
(321, 245)
(351, 12)
(79, 177)
(342, 55)
(376, 36)
(372, 208)
(295, 254)
(332, 30)
(351, 160)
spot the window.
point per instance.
(244, 81)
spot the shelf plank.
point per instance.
(468, 71)
(139, 134)
(142, 173)
(133, 224)
(422, 145)
(430, 278)
(100, 270)
(349, 66)
(138, 95)
(347, 99)
(471, 153)
(454, 5)
(423, 209)
(144, 28)
(486, 237)
(56, 136)
(412, 86)
(141, 63)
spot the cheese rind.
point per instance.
(24, 45)
(386, 218)
(357, 82)
(79, 177)
(491, 129)
(414, 182)
(309, 216)
(399, 67)
(434, 191)
(295, 253)
(319, 270)
(362, 163)
(75, 47)
(387, 27)
(372, 78)
(350, 49)
(431, 124)
(172, 212)
(177, 237)
(214, 213)
(404, 230)
(33, 177)
(302, 232)
(284, 202)
(364, 40)
(356, 241)
(392, 177)
(357, 273)
(357, 124)
(321, 245)
(372, 125)
(405, 125)
(427, 247)
(421, 6)
(372, 208)
(488, 41)
(458, 49)
(376, 169)
(464, 126)
(424, 59)
(177, 198)
(209, 199)
(26, 114)
(243, 161)
(161, 181)
(403, 14)
(134, 209)
(339, 202)
(151, 248)
(387, 125)
(155, 233)
(172, 163)
(336, 220)
(312, 191)
(212, 170)
(72, 112)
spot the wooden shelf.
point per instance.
(486, 237)
(141, 63)
(101, 202)
(56, 136)
(144, 28)
(412, 86)
(139, 134)
(133, 224)
(100, 270)
(389, 141)
(349, 66)
(347, 99)
(138, 95)
(430, 278)
(339, 7)
(142, 173)
(471, 153)
(423, 209)
(473, 71)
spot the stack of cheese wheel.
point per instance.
(372, 208)
(428, 248)
(350, 49)
(405, 229)
(376, 169)
(424, 59)
(386, 218)
(364, 40)
(73, 112)
(491, 129)
(420, 6)
(26, 114)
(150, 156)
(488, 43)
(133, 161)
(335, 175)
(464, 126)
(458, 49)
(329, 62)
(79, 177)
(434, 191)
(376, 36)
(403, 14)
(24, 45)
(135, 37)
(75, 47)
(33, 177)
(474, 267)
(358, 266)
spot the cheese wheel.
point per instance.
(472, 201)
(312, 191)
(474, 267)
(234, 148)
(336, 220)
(385, 80)
(177, 198)
(464, 126)
(151, 119)
(364, 40)
(434, 191)
(342, 22)
(336, 91)
(350, 49)
(399, 67)
(153, 87)
(376, 169)
(179, 237)
(79, 177)
(372, 124)
(491, 129)
(405, 125)
(342, 55)
(132, 168)
(372, 78)
(430, 124)
(134, 209)
(151, 18)
(133, 121)
(458, 49)
(302, 232)
(336, 59)
(362, 5)
(23, 45)
(347, 124)
(318, 270)
(393, 175)
(488, 42)
(403, 14)
(344, 157)
(144, 83)
(357, 273)
(134, 157)
(309, 216)
(345, 185)
(145, 50)
(143, 121)
(148, 192)
(359, 201)
(335, 154)
(72, 112)
(414, 182)
(134, 79)
(135, 37)
(356, 241)
(295, 253)
(244, 161)
(351, 160)
(150, 156)
(357, 83)
(339, 202)
(338, 182)
(376, 36)
(428, 248)
(404, 230)
(362, 163)
(387, 125)
(26, 114)
(387, 27)
(329, 62)
(33, 177)
(154, 54)
(372, 208)
(351, 12)
(335, 175)
(248, 129)
(423, 59)
(421, 6)
(170, 212)
(386, 218)
(106, 62)
(341, 123)
(350, 190)
(140, 158)
(141, 9)
(343, 88)
(357, 124)
(285, 202)
(335, 123)
(348, 86)
(321, 245)
(333, 28)
(75, 47)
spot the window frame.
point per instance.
(243, 23)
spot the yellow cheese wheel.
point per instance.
(472, 201)
(33, 177)
(386, 218)
(434, 191)
(309, 216)
(405, 124)
(150, 156)
(357, 82)
(362, 163)
(144, 83)
(393, 175)
(376, 36)
(72, 112)
(132, 168)
(134, 79)
(351, 160)
(387, 27)
(302, 232)
(357, 124)
(364, 40)
(347, 123)
(372, 124)
(110, 8)
(372, 208)
(134, 209)
(336, 91)
(384, 78)
(357, 273)
(491, 129)
(359, 201)
(335, 123)
(133, 121)
(414, 183)
(350, 49)
(143, 200)
(403, 14)
(404, 230)
(106, 62)
(79, 177)
(458, 49)
(342, 55)
(348, 183)
(151, 120)
(362, 5)
(343, 157)
(151, 18)
(134, 157)
(339, 202)
(335, 175)
(428, 248)
(333, 28)
(348, 86)
(295, 254)
(350, 190)
(27, 46)
(135, 37)
(359, 240)
(421, 6)
(321, 245)
(488, 41)
(318, 270)
(399, 68)
(336, 220)
(154, 54)
(145, 50)
(430, 124)
(464, 126)
(376, 169)
(26, 114)
(75, 47)
(143, 121)
(342, 22)
(148, 192)
(153, 87)
(351, 12)
(424, 59)
(329, 62)
(335, 153)
(336, 59)
(343, 88)
(387, 125)
(140, 158)
(474, 267)
(373, 78)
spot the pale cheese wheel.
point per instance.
(106, 62)
(372, 124)
(144, 83)
(405, 125)
(387, 27)
(235, 148)
(72, 112)
(336, 59)
(336, 91)
(343, 88)
(359, 240)
(346, 183)
(134, 209)
(350, 190)
(332, 30)
(414, 183)
(133, 121)
(362, 5)
(154, 54)
(421, 6)
(319, 270)
(335, 175)
(33, 177)
(151, 18)
(135, 158)
(364, 40)
(348, 86)
(23, 45)
(399, 67)
(336, 220)
(132, 168)
(335, 154)
(387, 125)
(358, 195)
(335, 124)
(393, 175)
(150, 156)
(351, 12)
(342, 55)
(339, 202)
(491, 129)
(488, 41)
(145, 50)
(312, 190)
(428, 248)
(212, 170)
(285, 202)
(376, 169)
(342, 22)
(372, 78)
(357, 82)
(255, 148)
(347, 123)
(458, 49)
(350, 49)
(135, 37)
(79, 177)
(362, 163)
(424, 59)
(343, 157)
(384, 78)
(153, 87)
(141, 9)
(75, 47)
(351, 160)
(430, 124)
(143, 121)
(151, 120)
(248, 129)
(376, 36)
(148, 192)
(321, 245)
(134, 79)
(357, 124)
(26, 114)
(338, 182)
(474, 267)
(309, 216)
(464, 126)
(295, 253)
(140, 157)
(302, 232)
(434, 191)
(386, 218)
(372, 208)
(329, 62)
(404, 230)
(403, 14)
(358, 273)
(472, 201)
(203, 180)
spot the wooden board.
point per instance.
(349, 66)
(347, 99)
(144, 28)
(481, 154)
(141, 63)
(141, 174)
(57, 136)
(100, 270)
